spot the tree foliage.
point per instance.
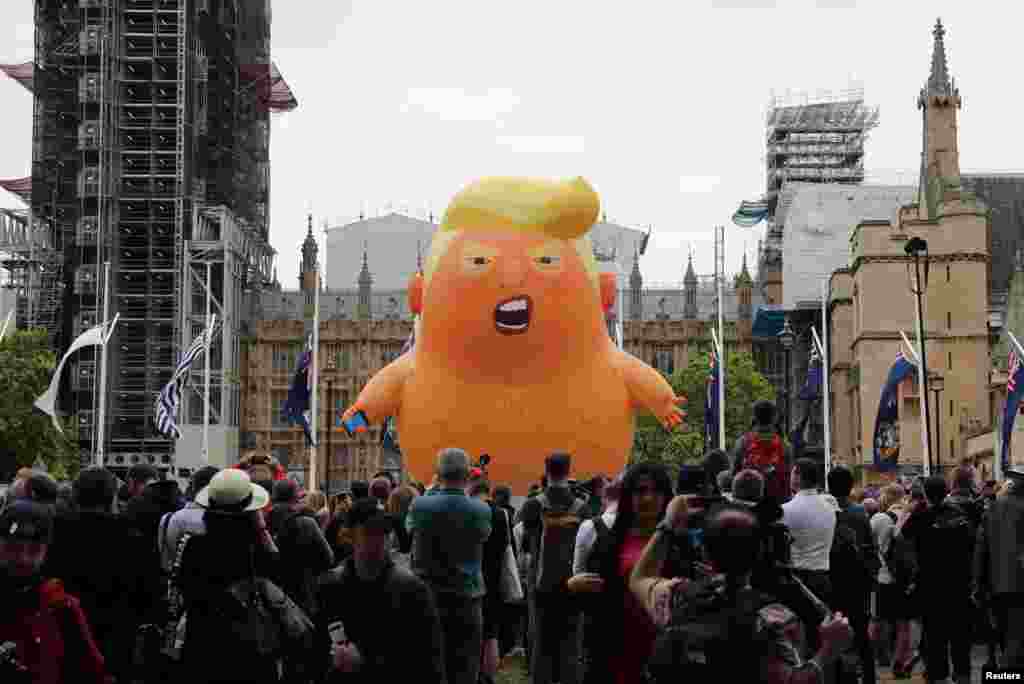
(743, 386)
(26, 434)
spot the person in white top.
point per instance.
(811, 520)
(587, 535)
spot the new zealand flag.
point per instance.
(887, 424)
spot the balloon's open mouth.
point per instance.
(512, 316)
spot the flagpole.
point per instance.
(314, 368)
(3, 332)
(926, 438)
(826, 367)
(721, 343)
(208, 342)
(102, 424)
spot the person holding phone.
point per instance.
(618, 654)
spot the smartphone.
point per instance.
(357, 420)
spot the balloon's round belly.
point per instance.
(518, 427)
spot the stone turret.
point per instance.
(365, 288)
(309, 266)
(939, 101)
(636, 282)
(690, 291)
(744, 286)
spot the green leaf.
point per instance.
(26, 365)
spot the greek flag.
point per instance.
(166, 414)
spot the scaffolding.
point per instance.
(815, 138)
(150, 151)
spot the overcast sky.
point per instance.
(659, 104)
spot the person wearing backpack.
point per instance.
(716, 627)
(894, 606)
(240, 626)
(943, 537)
(853, 567)
(305, 553)
(763, 449)
(551, 522)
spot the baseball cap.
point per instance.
(27, 521)
(367, 512)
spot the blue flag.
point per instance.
(711, 404)
(1014, 392)
(887, 424)
(296, 407)
(811, 391)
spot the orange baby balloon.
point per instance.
(512, 355)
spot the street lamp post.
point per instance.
(332, 417)
(937, 383)
(786, 339)
(916, 247)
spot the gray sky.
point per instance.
(659, 104)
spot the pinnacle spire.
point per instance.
(938, 79)
(419, 258)
(1019, 262)
(635, 276)
(690, 277)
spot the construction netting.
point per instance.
(22, 73)
(22, 187)
(272, 92)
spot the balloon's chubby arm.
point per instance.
(382, 395)
(649, 390)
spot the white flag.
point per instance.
(48, 400)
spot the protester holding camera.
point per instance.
(706, 622)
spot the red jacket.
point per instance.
(52, 637)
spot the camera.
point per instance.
(12, 669)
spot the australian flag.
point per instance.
(711, 404)
(1014, 393)
(887, 424)
(296, 407)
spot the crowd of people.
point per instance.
(622, 580)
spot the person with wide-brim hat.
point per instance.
(232, 491)
(235, 548)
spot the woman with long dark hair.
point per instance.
(626, 634)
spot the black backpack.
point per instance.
(713, 635)
(901, 559)
(850, 564)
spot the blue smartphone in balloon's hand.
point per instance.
(357, 421)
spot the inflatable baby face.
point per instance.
(510, 292)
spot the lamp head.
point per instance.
(916, 247)
(786, 336)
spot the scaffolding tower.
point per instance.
(811, 139)
(151, 151)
